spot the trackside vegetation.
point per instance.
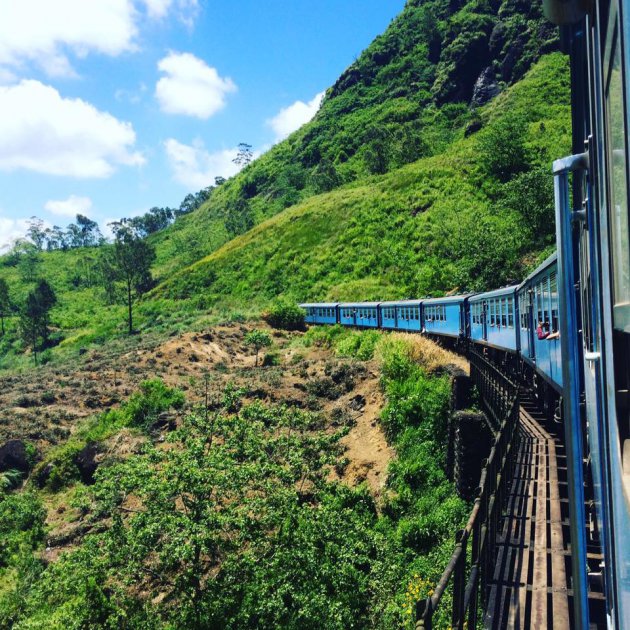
(242, 526)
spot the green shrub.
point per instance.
(154, 397)
(271, 359)
(285, 315)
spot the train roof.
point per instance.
(359, 304)
(550, 260)
(319, 305)
(495, 293)
(402, 303)
(448, 299)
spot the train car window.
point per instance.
(618, 186)
(553, 284)
(503, 303)
(491, 309)
(510, 307)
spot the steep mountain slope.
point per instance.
(468, 218)
(406, 97)
(402, 185)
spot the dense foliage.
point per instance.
(234, 522)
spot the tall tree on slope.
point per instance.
(130, 262)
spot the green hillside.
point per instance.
(406, 97)
(413, 179)
(446, 222)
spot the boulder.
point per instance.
(87, 462)
(14, 456)
(485, 89)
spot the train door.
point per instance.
(531, 326)
(595, 258)
(611, 278)
(484, 320)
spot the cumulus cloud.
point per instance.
(45, 32)
(11, 229)
(70, 207)
(291, 118)
(191, 87)
(186, 10)
(196, 168)
(43, 132)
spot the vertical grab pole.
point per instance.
(571, 366)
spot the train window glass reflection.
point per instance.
(618, 187)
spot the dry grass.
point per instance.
(422, 350)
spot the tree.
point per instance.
(89, 234)
(35, 316)
(5, 301)
(36, 232)
(219, 181)
(130, 262)
(258, 339)
(27, 256)
(244, 155)
(502, 145)
(239, 217)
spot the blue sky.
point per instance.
(110, 107)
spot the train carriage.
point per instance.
(326, 313)
(402, 315)
(539, 322)
(360, 314)
(493, 318)
(445, 316)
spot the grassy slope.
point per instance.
(437, 225)
(428, 227)
(406, 97)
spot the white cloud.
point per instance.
(186, 10)
(11, 229)
(43, 132)
(191, 87)
(196, 168)
(70, 207)
(45, 32)
(291, 118)
(6, 76)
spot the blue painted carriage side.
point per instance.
(361, 314)
(444, 316)
(542, 296)
(493, 318)
(402, 315)
(321, 313)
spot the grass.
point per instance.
(443, 223)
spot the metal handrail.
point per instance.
(501, 399)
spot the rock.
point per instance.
(41, 475)
(165, 421)
(472, 127)
(485, 88)
(14, 456)
(357, 402)
(86, 462)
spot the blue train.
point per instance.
(518, 325)
(566, 327)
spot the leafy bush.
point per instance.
(285, 315)
(22, 520)
(154, 397)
